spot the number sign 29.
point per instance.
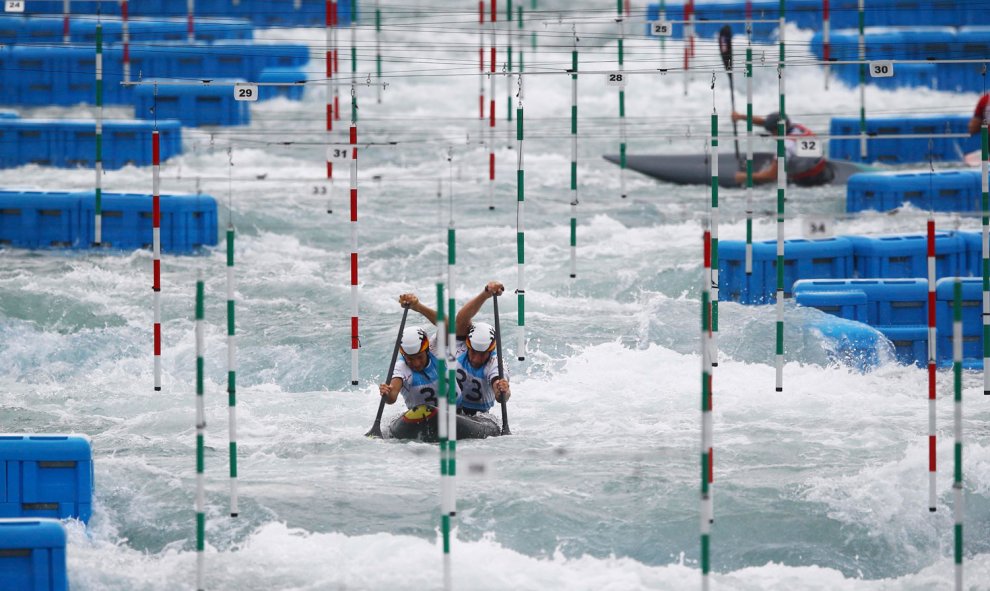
(616, 79)
(245, 92)
(881, 69)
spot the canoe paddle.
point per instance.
(376, 429)
(725, 48)
(501, 369)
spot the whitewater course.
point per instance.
(208, 318)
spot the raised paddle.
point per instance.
(725, 48)
(501, 369)
(376, 429)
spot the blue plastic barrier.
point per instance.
(853, 344)
(903, 150)
(803, 259)
(33, 219)
(63, 143)
(905, 255)
(889, 302)
(972, 320)
(943, 190)
(261, 12)
(192, 104)
(910, 343)
(47, 476)
(283, 75)
(848, 304)
(32, 555)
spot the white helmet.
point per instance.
(414, 340)
(481, 337)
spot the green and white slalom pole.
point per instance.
(622, 102)
(957, 480)
(98, 165)
(522, 36)
(442, 433)
(231, 368)
(508, 65)
(520, 232)
(781, 191)
(574, 147)
(714, 232)
(705, 508)
(663, 38)
(862, 80)
(200, 434)
(378, 47)
(749, 156)
(451, 374)
(985, 164)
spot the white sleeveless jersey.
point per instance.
(418, 387)
(474, 384)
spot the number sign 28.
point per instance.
(616, 79)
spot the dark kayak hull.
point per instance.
(695, 169)
(479, 426)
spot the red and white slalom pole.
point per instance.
(66, 11)
(481, 68)
(156, 250)
(336, 62)
(330, 8)
(931, 362)
(190, 27)
(826, 37)
(125, 40)
(491, 110)
(355, 339)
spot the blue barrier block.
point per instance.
(35, 219)
(47, 476)
(282, 74)
(973, 266)
(943, 190)
(192, 104)
(905, 256)
(32, 554)
(896, 150)
(847, 304)
(188, 222)
(910, 343)
(972, 318)
(889, 302)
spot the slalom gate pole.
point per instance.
(574, 147)
(520, 231)
(156, 251)
(781, 191)
(355, 339)
(932, 343)
(705, 503)
(200, 434)
(98, 163)
(957, 479)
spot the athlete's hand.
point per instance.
(409, 300)
(384, 390)
(501, 389)
(494, 288)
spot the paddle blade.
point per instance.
(725, 46)
(375, 432)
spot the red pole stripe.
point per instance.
(824, 9)
(931, 381)
(494, 11)
(353, 205)
(155, 150)
(329, 169)
(481, 107)
(158, 339)
(156, 267)
(492, 60)
(353, 137)
(931, 453)
(491, 166)
(354, 268)
(329, 64)
(156, 212)
(330, 116)
(329, 17)
(481, 12)
(336, 108)
(354, 332)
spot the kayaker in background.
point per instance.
(981, 114)
(801, 170)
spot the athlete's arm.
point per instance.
(467, 312)
(390, 391)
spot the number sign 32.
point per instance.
(809, 148)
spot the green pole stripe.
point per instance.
(622, 103)
(704, 468)
(231, 388)
(230, 248)
(520, 238)
(705, 305)
(522, 309)
(230, 317)
(705, 548)
(622, 155)
(519, 123)
(200, 531)
(199, 300)
(451, 249)
(780, 204)
(620, 51)
(199, 376)
(573, 232)
(749, 230)
(520, 188)
(573, 176)
(200, 455)
(957, 472)
(574, 119)
(445, 526)
(780, 338)
(233, 459)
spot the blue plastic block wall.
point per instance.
(72, 144)
(942, 190)
(32, 555)
(850, 304)
(905, 255)
(44, 29)
(282, 74)
(903, 150)
(193, 104)
(33, 219)
(803, 259)
(972, 320)
(261, 12)
(47, 476)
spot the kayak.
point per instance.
(420, 423)
(695, 169)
